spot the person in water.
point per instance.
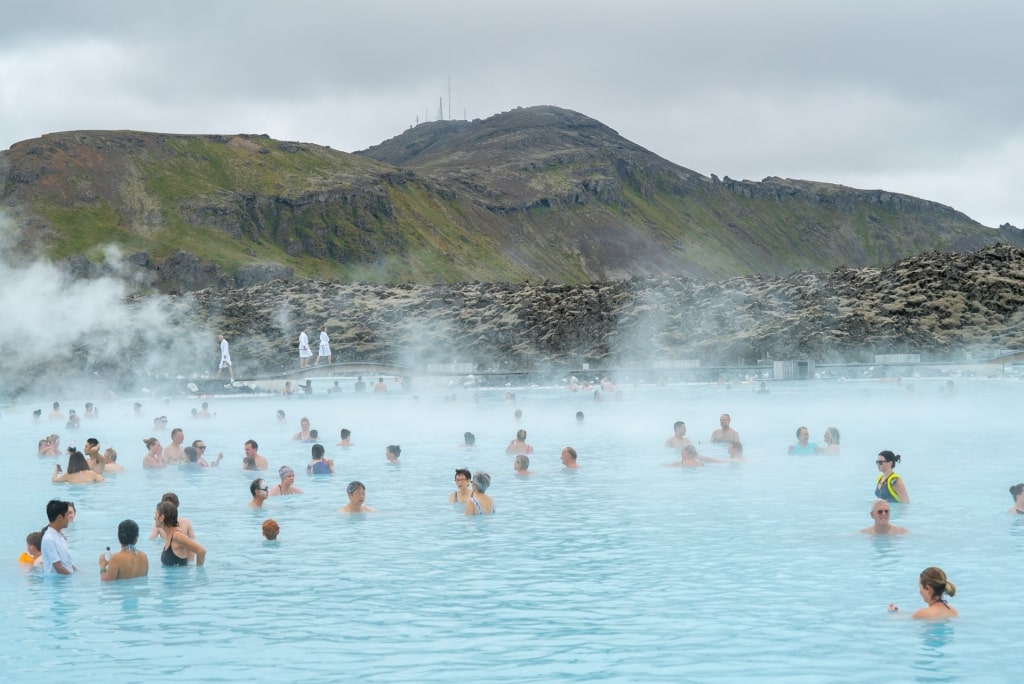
(462, 492)
(271, 529)
(933, 584)
(831, 447)
(522, 465)
(519, 445)
(725, 433)
(1017, 492)
(287, 484)
(802, 447)
(356, 498)
(678, 440)
(318, 465)
(259, 490)
(880, 513)
(79, 471)
(129, 562)
(32, 555)
(889, 486)
(480, 503)
(177, 547)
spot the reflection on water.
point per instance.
(625, 569)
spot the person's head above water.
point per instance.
(481, 481)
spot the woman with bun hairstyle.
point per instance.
(933, 585)
(889, 486)
(1017, 492)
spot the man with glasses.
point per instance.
(201, 448)
(880, 513)
(259, 490)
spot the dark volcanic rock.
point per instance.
(938, 305)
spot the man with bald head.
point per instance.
(880, 513)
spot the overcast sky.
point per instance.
(922, 97)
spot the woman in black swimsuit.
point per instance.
(1017, 492)
(176, 542)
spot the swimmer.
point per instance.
(889, 486)
(568, 457)
(462, 491)
(933, 584)
(480, 503)
(32, 555)
(318, 465)
(91, 410)
(200, 447)
(280, 417)
(174, 453)
(517, 415)
(129, 562)
(92, 451)
(690, 459)
(580, 417)
(303, 433)
(111, 464)
(154, 457)
(259, 490)
(802, 446)
(287, 485)
(79, 471)
(880, 513)
(204, 410)
(519, 445)
(522, 465)
(179, 548)
(183, 523)
(392, 453)
(678, 440)
(831, 447)
(725, 433)
(1017, 492)
(356, 498)
(270, 529)
(736, 451)
(468, 441)
(252, 459)
(346, 438)
(380, 387)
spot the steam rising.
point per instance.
(64, 335)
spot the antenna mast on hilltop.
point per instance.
(449, 98)
(440, 109)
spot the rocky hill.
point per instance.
(537, 194)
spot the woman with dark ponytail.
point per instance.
(1017, 492)
(889, 486)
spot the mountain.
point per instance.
(537, 193)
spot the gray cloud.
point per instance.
(916, 96)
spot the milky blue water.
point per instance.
(623, 571)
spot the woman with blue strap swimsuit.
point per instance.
(479, 503)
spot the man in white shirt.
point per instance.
(55, 552)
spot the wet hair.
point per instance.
(303, 419)
(889, 456)
(464, 472)
(253, 444)
(77, 462)
(280, 413)
(271, 529)
(579, 416)
(172, 497)
(678, 423)
(522, 462)
(254, 485)
(35, 539)
(317, 451)
(832, 434)
(128, 532)
(92, 441)
(395, 449)
(353, 486)
(175, 431)
(314, 433)
(469, 438)
(572, 452)
(37, 412)
(802, 427)
(521, 435)
(192, 454)
(481, 481)
(56, 508)
(1016, 489)
(345, 433)
(150, 441)
(110, 454)
(935, 579)
(518, 413)
(169, 512)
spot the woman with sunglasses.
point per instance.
(889, 486)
